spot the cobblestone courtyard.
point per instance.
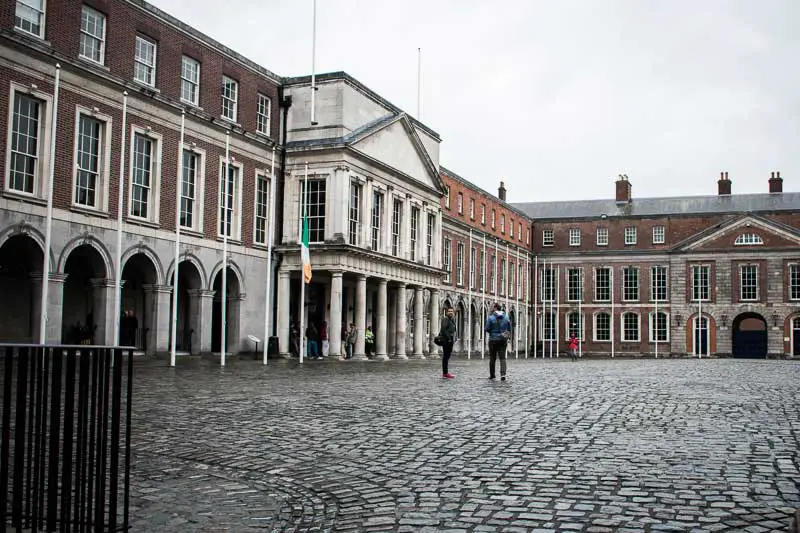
(601, 446)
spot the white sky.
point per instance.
(558, 97)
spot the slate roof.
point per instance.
(467, 183)
(653, 207)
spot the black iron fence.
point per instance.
(65, 441)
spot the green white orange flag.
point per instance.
(304, 253)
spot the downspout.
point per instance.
(285, 103)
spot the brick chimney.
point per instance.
(623, 189)
(724, 184)
(776, 182)
(501, 192)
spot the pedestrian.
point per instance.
(312, 338)
(447, 338)
(369, 341)
(350, 341)
(573, 346)
(498, 327)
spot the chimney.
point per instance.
(724, 184)
(623, 189)
(776, 182)
(501, 192)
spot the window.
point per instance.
(414, 232)
(229, 190)
(701, 277)
(144, 167)
(602, 327)
(460, 203)
(630, 327)
(519, 231)
(429, 239)
(483, 214)
(397, 219)
(27, 125)
(189, 182)
(473, 254)
(29, 17)
(144, 62)
(748, 239)
(659, 328)
(574, 284)
(630, 284)
(354, 216)
(548, 237)
(602, 236)
(602, 284)
(92, 159)
(502, 223)
(483, 271)
(659, 236)
(93, 35)
(230, 98)
(527, 236)
(630, 235)
(446, 259)
(548, 326)
(472, 208)
(794, 282)
(460, 263)
(190, 80)
(511, 280)
(314, 205)
(494, 217)
(263, 114)
(574, 237)
(261, 209)
(549, 285)
(511, 228)
(748, 283)
(658, 284)
(377, 216)
(519, 280)
(575, 325)
(502, 275)
(493, 274)
(447, 196)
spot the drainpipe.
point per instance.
(285, 102)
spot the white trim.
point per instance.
(582, 324)
(104, 163)
(638, 284)
(748, 239)
(758, 282)
(552, 238)
(577, 233)
(154, 199)
(42, 21)
(236, 219)
(261, 173)
(235, 99)
(633, 232)
(601, 231)
(595, 328)
(691, 282)
(199, 186)
(101, 38)
(41, 176)
(268, 114)
(152, 82)
(789, 267)
(638, 326)
(663, 238)
(651, 330)
(196, 83)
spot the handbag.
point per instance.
(438, 340)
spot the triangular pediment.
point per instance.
(742, 234)
(397, 145)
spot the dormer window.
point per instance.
(746, 239)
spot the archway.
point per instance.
(20, 260)
(749, 336)
(512, 317)
(137, 325)
(87, 294)
(232, 318)
(477, 329)
(461, 326)
(189, 307)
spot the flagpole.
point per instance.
(120, 202)
(527, 289)
(655, 316)
(225, 229)
(419, 83)
(535, 306)
(558, 310)
(178, 187)
(580, 319)
(469, 306)
(505, 289)
(270, 230)
(304, 205)
(613, 333)
(516, 315)
(313, 64)
(483, 298)
(49, 223)
(699, 323)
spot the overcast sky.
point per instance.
(558, 97)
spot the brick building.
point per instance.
(487, 258)
(705, 275)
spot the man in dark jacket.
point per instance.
(498, 329)
(447, 334)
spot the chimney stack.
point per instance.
(724, 184)
(623, 189)
(501, 192)
(776, 182)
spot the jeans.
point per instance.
(313, 350)
(447, 351)
(497, 350)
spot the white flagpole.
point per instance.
(516, 315)
(551, 298)
(225, 228)
(271, 230)
(419, 83)
(303, 206)
(178, 186)
(313, 65)
(506, 286)
(535, 306)
(496, 270)
(580, 319)
(698, 323)
(49, 223)
(527, 288)
(613, 332)
(469, 306)
(120, 196)
(558, 310)
(483, 299)
(654, 321)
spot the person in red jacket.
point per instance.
(573, 346)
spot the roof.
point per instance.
(469, 184)
(652, 207)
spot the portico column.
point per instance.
(400, 313)
(435, 316)
(283, 313)
(201, 305)
(361, 316)
(103, 311)
(419, 322)
(55, 303)
(157, 304)
(380, 335)
(233, 319)
(335, 323)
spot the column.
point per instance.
(335, 322)
(419, 322)
(361, 316)
(55, 302)
(283, 313)
(201, 304)
(380, 334)
(400, 328)
(233, 328)
(435, 316)
(103, 310)
(391, 323)
(157, 300)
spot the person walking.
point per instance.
(447, 338)
(498, 328)
(351, 341)
(312, 337)
(573, 346)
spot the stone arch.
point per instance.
(232, 302)
(711, 347)
(750, 335)
(23, 228)
(21, 260)
(94, 242)
(150, 254)
(194, 261)
(234, 268)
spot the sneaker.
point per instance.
(502, 378)
(448, 376)
(491, 377)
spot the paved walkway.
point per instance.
(593, 446)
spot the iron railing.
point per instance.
(65, 441)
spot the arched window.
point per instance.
(659, 327)
(630, 327)
(746, 239)
(574, 325)
(602, 327)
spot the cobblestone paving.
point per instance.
(593, 446)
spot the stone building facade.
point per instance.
(707, 275)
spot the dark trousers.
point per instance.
(497, 350)
(447, 351)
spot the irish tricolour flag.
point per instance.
(304, 253)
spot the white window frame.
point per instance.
(493, 274)
(324, 220)
(519, 230)
(354, 205)
(236, 218)
(195, 83)
(154, 201)
(473, 258)
(654, 279)
(794, 290)
(511, 228)
(502, 223)
(527, 236)
(757, 282)
(602, 237)
(519, 279)
(595, 327)
(748, 239)
(233, 98)
(483, 214)
(581, 330)
(41, 174)
(574, 236)
(510, 282)
(430, 231)
(597, 284)
(548, 237)
(460, 263)
(579, 284)
(502, 278)
(199, 187)
(460, 203)
(376, 215)
(630, 235)
(264, 115)
(141, 61)
(414, 232)
(104, 162)
(694, 270)
(86, 35)
(548, 331)
(42, 17)
(623, 325)
(652, 326)
(659, 235)
(261, 175)
(397, 225)
(548, 285)
(494, 219)
(447, 196)
(447, 250)
(472, 208)
(637, 279)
